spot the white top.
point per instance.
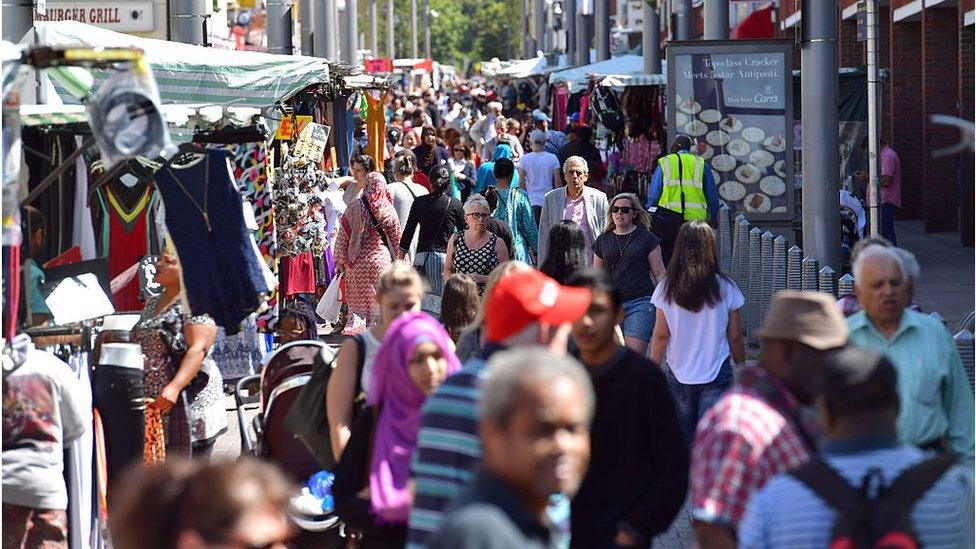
(698, 346)
(372, 347)
(402, 201)
(538, 167)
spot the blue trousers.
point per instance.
(888, 222)
(692, 401)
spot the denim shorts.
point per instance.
(638, 318)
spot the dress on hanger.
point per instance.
(204, 215)
(376, 127)
(126, 233)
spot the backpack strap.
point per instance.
(916, 480)
(826, 483)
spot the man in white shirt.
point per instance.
(539, 172)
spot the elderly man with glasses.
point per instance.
(576, 202)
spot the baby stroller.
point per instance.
(286, 372)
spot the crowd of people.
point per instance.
(580, 374)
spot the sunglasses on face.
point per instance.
(621, 209)
(459, 150)
(479, 215)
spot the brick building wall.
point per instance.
(940, 92)
(905, 112)
(967, 179)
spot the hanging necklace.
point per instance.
(206, 188)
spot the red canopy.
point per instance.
(759, 24)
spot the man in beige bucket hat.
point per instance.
(755, 430)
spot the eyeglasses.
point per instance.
(479, 215)
(621, 209)
(577, 172)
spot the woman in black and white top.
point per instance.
(631, 254)
(438, 215)
(475, 251)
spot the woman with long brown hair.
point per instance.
(698, 326)
(631, 255)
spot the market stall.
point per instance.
(193, 74)
(625, 107)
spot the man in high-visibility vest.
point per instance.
(682, 189)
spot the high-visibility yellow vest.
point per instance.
(691, 183)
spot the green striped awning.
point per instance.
(194, 74)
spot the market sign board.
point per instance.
(118, 16)
(735, 100)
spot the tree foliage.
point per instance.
(463, 31)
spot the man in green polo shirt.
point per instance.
(936, 400)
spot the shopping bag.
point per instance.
(331, 302)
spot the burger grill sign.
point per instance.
(118, 16)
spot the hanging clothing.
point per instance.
(376, 127)
(515, 209)
(221, 274)
(238, 355)
(560, 99)
(297, 275)
(343, 132)
(83, 232)
(126, 232)
(249, 162)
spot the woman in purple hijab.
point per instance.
(372, 486)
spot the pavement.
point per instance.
(946, 287)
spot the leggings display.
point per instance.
(120, 400)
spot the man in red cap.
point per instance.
(524, 308)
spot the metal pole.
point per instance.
(717, 20)
(390, 37)
(584, 33)
(280, 25)
(18, 19)
(872, 31)
(539, 26)
(683, 25)
(427, 29)
(414, 52)
(352, 34)
(569, 16)
(651, 40)
(324, 37)
(186, 19)
(374, 29)
(305, 20)
(601, 26)
(818, 64)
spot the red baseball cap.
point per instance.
(527, 297)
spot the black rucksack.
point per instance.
(881, 522)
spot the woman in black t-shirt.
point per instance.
(631, 255)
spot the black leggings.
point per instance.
(119, 398)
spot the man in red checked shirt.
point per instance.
(756, 429)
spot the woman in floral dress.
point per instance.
(181, 381)
(362, 253)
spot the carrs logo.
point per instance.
(118, 16)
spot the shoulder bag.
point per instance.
(376, 225)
